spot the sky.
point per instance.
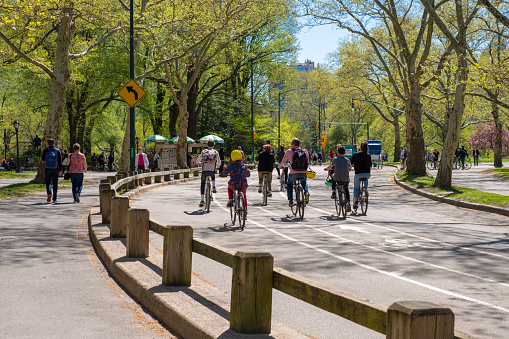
(316, 42)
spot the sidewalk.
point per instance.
(472, 178)
(53, 285)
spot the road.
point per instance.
(406, 248)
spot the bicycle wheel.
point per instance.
(242, 210)
(301, 203)
(295, 205)
(233, 212)
(364, 200)
(282, 182)
(468, 165)
(430, 165)
(342, 202)
(337, 201)
(265, 191)
(208, 195)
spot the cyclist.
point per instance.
(209, 159)
(238, 173)
(299, 162)
(314, 157)
(342, 169)
(462, 154)
(361, 161)
(279, 157)
(319, 155)
(265, 166)
(331, 155)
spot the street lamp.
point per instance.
(137, 142)
(6, 143)
(252, 95)
(16, 127)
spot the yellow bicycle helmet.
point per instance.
(310, 174)
(236, 155)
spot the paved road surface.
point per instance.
(406, 248)
(52, 285)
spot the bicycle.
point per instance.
(238, 208)
(319, 162)
(208, 193)
(363, 197)
(432, 165)
(300, 201)
(340, 199)
(265, 190)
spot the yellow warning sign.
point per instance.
(131, 93)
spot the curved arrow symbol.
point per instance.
(131, 90)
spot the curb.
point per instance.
(198, 311)
(454, 202)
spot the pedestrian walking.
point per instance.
(111, 160)
(93, 159)
(102, 161)
(77, 167)
(476, 154)
(52, 158)
(221, 157)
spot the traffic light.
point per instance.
(254, 136)
(316, 126)
(323, 144)
(324, 138)
(353, 106)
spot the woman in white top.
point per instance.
(141, 160)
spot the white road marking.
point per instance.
(353, 228)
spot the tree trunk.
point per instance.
(57, 94)
(444, 175)
(416, 163)
(182, 143)
(497, 147)
(174, 114)
(397, 139)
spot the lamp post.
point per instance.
(6, 143)
(16, 127)
(252, 95)
(137, 142)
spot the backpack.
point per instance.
(299, 160)
(209, 156)
(51, 158)
(405, 154)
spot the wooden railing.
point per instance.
(254, 276)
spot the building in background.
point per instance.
(307, 66)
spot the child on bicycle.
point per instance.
(238, 173)
(342, 167)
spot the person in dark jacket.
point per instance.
(475, 154)
(361, 161)
(279, 157)
(52, 158)
(266, 163)
(221, 157)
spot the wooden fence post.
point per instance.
(148, 180)
(137, 242)
(118, 222)
(251, 302)
(419, 320)
(106, 196)
(176, 176)
(167, 177)
(177, 255)
(196, 173)
(186, 174)
(102, 186)
(157, 178)
(132, 184)
(112, 179)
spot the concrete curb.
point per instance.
(459, 203)
(198, 311)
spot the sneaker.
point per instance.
(260, 189)
(202, 203)
(49, 198)
(333, 195)
(348, 207)
(54, 201)
(306, 198)
(77, 198)
(269, 194)
(355, 205)
(290, 203)
(214, 190)
(230, 203)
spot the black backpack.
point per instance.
(299, 160)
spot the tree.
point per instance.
(484, 138)
(30, 33)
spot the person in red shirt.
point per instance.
(331, 156)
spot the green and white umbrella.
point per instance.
(176, 139)
(156, 138)
(212, 137)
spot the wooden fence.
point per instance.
(253, 274)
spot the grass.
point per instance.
(455, 192)
(22, 189)
(503, 173)
(14, 175)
